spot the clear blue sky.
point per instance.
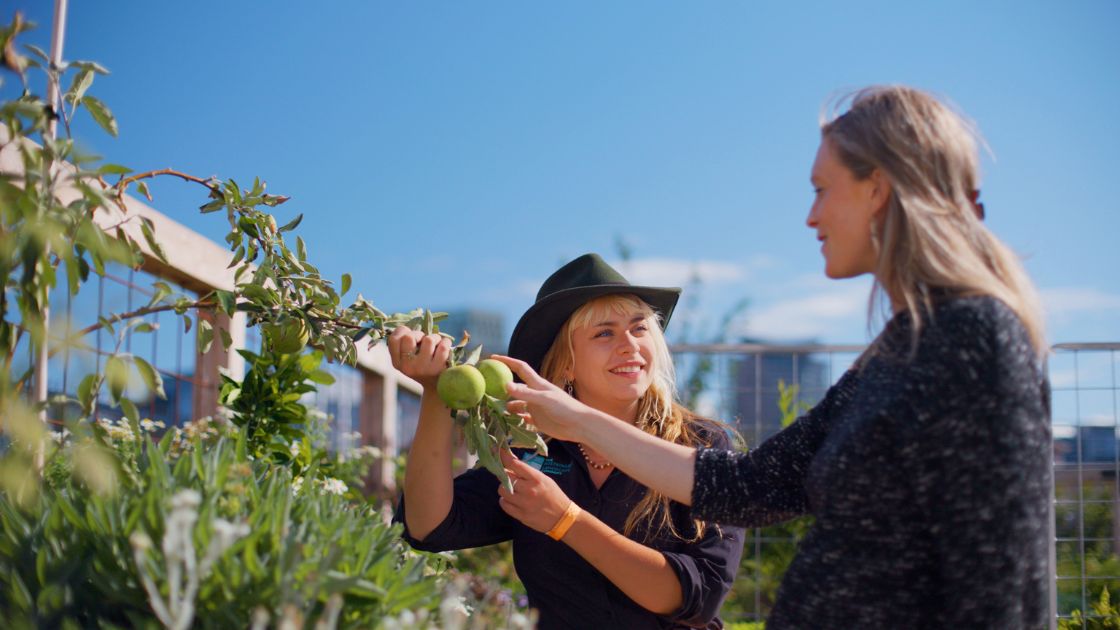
(452, 154)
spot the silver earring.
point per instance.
(570, 388)
(875, 246)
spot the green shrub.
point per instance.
(1105, 616)
(210, 536)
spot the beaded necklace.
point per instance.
(595, 465)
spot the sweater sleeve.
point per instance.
(766, 485)
(982, 475)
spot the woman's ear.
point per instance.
(880, 191)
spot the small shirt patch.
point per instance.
(546, 465)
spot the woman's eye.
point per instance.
(603, 333)
(641, 328)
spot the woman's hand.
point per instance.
(418, 356)
(547, 407)
(536, 500)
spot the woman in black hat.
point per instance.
(926, 467)
(600, 340)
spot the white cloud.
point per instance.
(678, 272)
(817, 315)
(1060, 301)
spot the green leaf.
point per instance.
(142, 188)
(116, 374)
(162, 290)
(237, 257)
(291, 225)
(345, 283)
(226, 301)
(301, 249)
(150, 238)
(130, 410)
(113, 169)
(151, 377)
(321, 377)
(85, 391)
(227, 339)
(38, 52)
(101, 114)
(91, 65)
(80, 84)
(205, 336)
(473, 357)
(429, 322)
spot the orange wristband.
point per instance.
(565, 523)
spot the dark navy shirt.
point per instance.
(566, 590)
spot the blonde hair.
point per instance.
(931, 236)
(658, 412)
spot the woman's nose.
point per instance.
(811, 220)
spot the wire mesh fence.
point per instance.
(743, 384)
(1083, 379)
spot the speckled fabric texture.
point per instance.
(928, 475)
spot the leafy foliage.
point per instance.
(81, 556)
(1104, 616)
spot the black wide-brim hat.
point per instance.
(569, 288)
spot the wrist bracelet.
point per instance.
(565, 523)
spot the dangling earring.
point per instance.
(570, 388)
(875, 246)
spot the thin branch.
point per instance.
(140, 312)
(209, 182)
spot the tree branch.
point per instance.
(124, 183)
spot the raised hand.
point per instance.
(418, 356)
(550, 409)
(536, 500)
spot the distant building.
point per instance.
(485, 327)
(1098, 445)
(754, 379)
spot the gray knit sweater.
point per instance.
(926, 470)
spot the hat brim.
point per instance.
(538, 327)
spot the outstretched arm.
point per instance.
(661, 465)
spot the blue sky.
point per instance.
(452, 154)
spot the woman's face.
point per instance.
(613, 360)
(842, 213)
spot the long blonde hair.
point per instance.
(658, 413)
(932, 236)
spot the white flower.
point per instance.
(185, 500)
(147, 425)
(60, 436)
(368, 451)
(293, 448)
(334, 486)
(297, 485)
(227, 533)
(140, 541)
